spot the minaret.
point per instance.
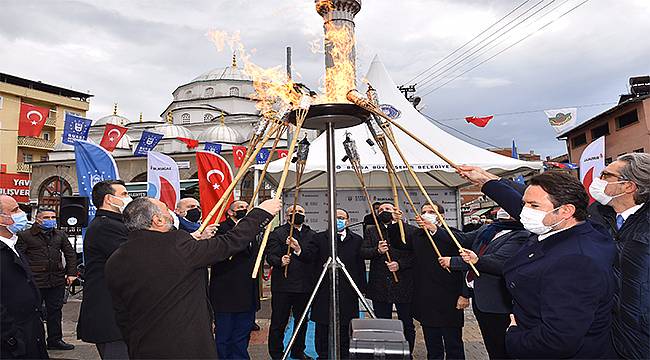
(340, 73)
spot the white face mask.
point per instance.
(125, 201)
(597, 190)
(432, 218)
(175, 221)
(533, 220)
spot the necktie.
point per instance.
(470, 274)
(619, 222)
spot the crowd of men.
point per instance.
(558, 278)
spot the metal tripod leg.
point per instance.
(356, 288)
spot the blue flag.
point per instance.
(148, 141)
(514, 154)
(214, 147)
(520, 179)
(94, 164)
(75, 128)
(262, 156)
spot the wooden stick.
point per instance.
(300, 167)
(393, 187)
(266, 165)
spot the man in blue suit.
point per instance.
(561, 280)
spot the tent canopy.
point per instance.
(434, 172)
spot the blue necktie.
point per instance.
(619, 222)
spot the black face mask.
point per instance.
(193, 215)
(385, 217)
(240, 214)
(299, 219)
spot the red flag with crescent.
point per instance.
(215, 175)
(32, 119)
(238, 155)
(479, 121)
(112, 135)
(282, 153)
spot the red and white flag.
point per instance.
(32, 119)
(215, 175)
(238, 155)
(163, 179)
(282, 153)
(592, 163)
(191, 143)
(112, 135)
(479, 121)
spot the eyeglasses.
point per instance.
(606, 174)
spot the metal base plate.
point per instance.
(340, 115)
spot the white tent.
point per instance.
(433, 171)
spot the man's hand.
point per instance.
(393, 266)
(382, 247)
(70, 279)
(209, 232)
(462, 303)
(286, 259)
(445, 262)
(294, 245)
(424, 224)
(397, 215)
(513, 321)
(469, 256)
(271, 206)
(475, 174)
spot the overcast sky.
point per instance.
(136, 52)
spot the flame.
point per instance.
(340, 76)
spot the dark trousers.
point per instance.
(53, 298)
(493, 329)
(384, 310)
(282, 305)
(322, 339)
(444, 340)
(232, 334)
(116, 350)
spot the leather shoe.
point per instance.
(59, 345)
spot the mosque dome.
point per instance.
(232, 72)
(113, 119)
(124, 143)
(172, 131)
(221, 133)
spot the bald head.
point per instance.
(8, 207)
(185, 204)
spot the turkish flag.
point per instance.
(32, 119)
(215, 176)
(238, 155)
(479, 121)
(282, 153)
(191, 143)
(112, 135)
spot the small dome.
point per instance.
(112, 119)
(172, 131)
(221, 133)
(124, 143)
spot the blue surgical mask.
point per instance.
(340, 224)
(48, 224)
(20, 221)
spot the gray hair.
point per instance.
(138, 215)
(637, 170)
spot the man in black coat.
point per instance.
(289, 294)
(43, 245)
(382, 288)
(622, 194)
(103, 236)
(23, 336)
(188, 211)
(233, 293)
(157, 280)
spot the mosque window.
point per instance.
(185, 118)
(188, 94)
(209, 91)
(207, 117)
(234, 91)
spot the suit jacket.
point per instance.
(157, 282)
(490, 293)
(300, 275)
(381, 284)
(349, 251)
(23, 336)
(43, 250)
(231, 287)
(562, 288)
(96, 318)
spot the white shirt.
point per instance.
(343, 234)
(627, 213)
(11, 242)
(550, 233)
(470, 284)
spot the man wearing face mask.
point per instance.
(561, 280)
(104, 235)
(188, 211)
(43, 246)
(23, 336)
(157, 280)
(622, 193)
(291, 293)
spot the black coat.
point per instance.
(300, 275)
(231, 287)
(490, 294)
(381, 284)
(23, 336)
(157, 282)
(43, 251)
(96, 318)
(349, 251)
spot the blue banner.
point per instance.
(148, 141)
(214, 147)
(262, 156)
(75, 128)
(514, 154)
(94, 164)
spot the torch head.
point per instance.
(302, 152)
(350, 147)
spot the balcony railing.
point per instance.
(50, 121)
(23, 167)
(34, 142)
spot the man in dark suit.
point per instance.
(233, 293)
(44, 247)
(368, 219)
(382, 288)
(103, 236)
(23, 336)
(188, 211)
(157, 280)
(349, 251)
(561, 279)
(289, 294)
